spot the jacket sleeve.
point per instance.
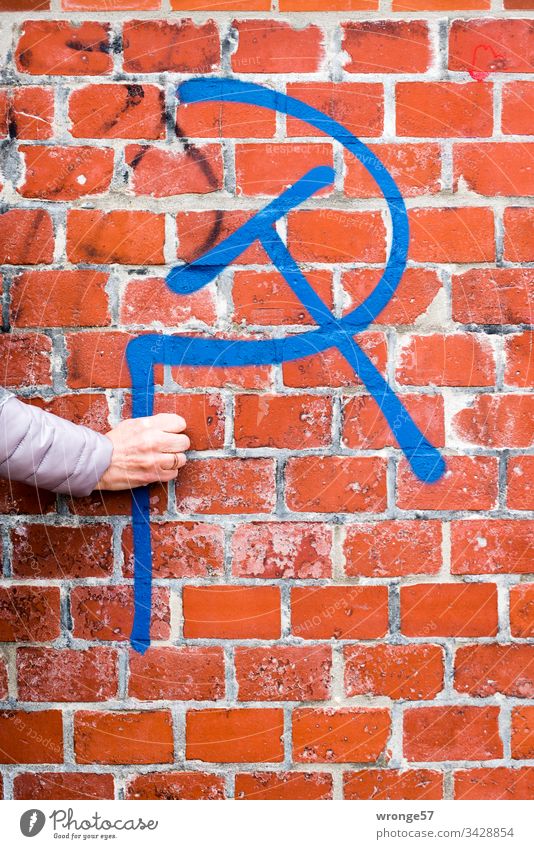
(40, 448)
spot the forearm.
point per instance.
(39, 448)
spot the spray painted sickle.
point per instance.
(150, 349)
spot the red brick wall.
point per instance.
(324, 625)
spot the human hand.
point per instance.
(145, 450)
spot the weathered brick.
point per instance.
(346, 735)
(283, 673)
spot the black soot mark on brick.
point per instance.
(197, 156)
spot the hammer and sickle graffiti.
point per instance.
(146, 351)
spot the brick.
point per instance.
(523, 732)
(63, 785)
(517, 103)
(148, 300)
(29, 614)
(226, 485)
(151, 47)
(106, 613)
(438, 5)
(176, 785)
(113, 111)
(269, 169)
(197, 231)
(235, 735)
(67, 675)
(180, 550)
(393, 784)
(283, 785)
(123, 737)
(282, 421)
(495, 783)
(520, 485)
(19, 498)
(522, 610)
(25, 5)
(519, 360)
(97, 359)
(444, 109)
(364, 425)
(386, 47)
(52, 551)
(247, 377)
(492, 547)
(392, 547)
(131, 237)
(34, 737)
(497, 421)
(118, 503)
(415, 293)
(64, 48)
(221, 5)
(327, 6)
(163, 173)
(346, 735)
(224, 120)
(30, 113)
(452, 235)
(359, 107)
(331, 369)
(90, 410)
(518, 223)
(489, 669)
(336, 484)
(111, 5)
(416, 169)
(486, 46)
(492, 296)
(231, 612)
(264, 297)
(495, 169)
(341, 613)
(335, 236)
(65, 173)
(26, 237)
(274, 47)
(456, 359)
(60, 298)
(400, 672)
(469, 483)
(177, 673)
(204, 415)
(283, 673)
(282, 550)
(25, 360)
(449, 610)
(451, 733)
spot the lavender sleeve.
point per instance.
(42, 449)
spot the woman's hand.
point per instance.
(145, 450)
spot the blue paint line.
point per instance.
(150, 349)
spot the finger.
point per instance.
(173, 443)
(168, 422)
(170, 462)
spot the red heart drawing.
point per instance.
(480, 59)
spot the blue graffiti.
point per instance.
(144, 352)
